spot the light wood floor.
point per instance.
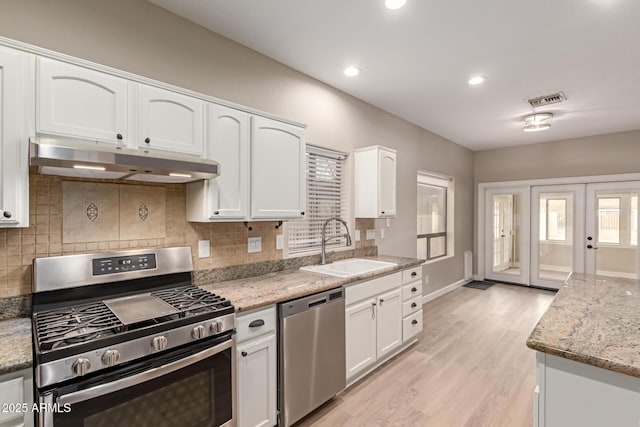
(471, 367)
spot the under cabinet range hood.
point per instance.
(124, 163)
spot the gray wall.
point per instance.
(138, 37)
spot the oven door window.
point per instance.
(199, 394)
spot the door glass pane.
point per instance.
(555, 258)
(617, 233)
(506, 234)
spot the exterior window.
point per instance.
(609, 220)
(434, 217)
(326, 198)
(553, 220)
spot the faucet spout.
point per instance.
(325, 240)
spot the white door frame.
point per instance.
(523, 226)
(483, 186)
(578, 231)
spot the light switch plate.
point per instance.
(279, 242)
(357, 235)
(371, 234)
(204, 249)
(254, 244)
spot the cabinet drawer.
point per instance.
(411, 325)
(256, 323)
(411, 290)
(11, 391)
(364, 290)
(412, 274)
(411, 306)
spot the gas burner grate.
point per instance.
(192, 300)
(73, 325)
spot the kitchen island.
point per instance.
(588, 360)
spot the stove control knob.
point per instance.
(198, 332)
(217, 326)
(110, 357)
(81, 366)
(159, 343)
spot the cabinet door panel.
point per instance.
(257, 382)
(387, 183)
(360, 336)
(228, 143)
(278, 178)
(78, 102)
(170, 121)
(389, 322)
(14, 178)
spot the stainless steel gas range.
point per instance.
(125, 339)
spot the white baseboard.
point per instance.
(442, 291)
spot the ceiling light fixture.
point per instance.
(394, 4)
(536, 122)
(351, 71)
(476, 80)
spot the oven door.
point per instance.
(182, 388)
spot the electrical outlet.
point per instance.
(357, 235)
(204, 249)
(279, 242)
(371, 234)
(254, 244)
(382, 233)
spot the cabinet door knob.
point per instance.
(244, 353)
(414, 305)
(382, 212)
(302, 213)
(147, 140)
(216, 213)
(119, 136)
(7, 214)
(414, 322)
(414, 289)
(414, 274)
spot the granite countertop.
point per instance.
(593, 320)
(15, 351)
(255, 292)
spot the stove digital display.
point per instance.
(122, 264)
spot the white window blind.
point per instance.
(326, 198)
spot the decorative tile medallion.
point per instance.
(93, 212)
(89, 212)
(143, 212)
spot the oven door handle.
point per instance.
(102, 389)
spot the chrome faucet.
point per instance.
(325, 240)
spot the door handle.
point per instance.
(591, 247)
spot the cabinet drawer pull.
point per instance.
(147, 140)
(414, 322)
(414, 289)
(414, 305)
(414, 274)
(244, 354)
(7, 214)
(256, 323)
(119, 136)
(216, 213)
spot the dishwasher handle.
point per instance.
(311, 302)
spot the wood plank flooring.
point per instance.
(470, 368)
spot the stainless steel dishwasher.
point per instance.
(311, 353)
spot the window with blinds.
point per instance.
(326, 198)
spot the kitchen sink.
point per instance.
(349, 267)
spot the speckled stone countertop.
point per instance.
(255, 292)
(593, 320)
(15, 345)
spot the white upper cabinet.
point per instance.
(169, 121)
(278, 170)
(375, 182)
(227, 196)
(14, 173)
(77, 102)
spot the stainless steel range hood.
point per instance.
(124, 163)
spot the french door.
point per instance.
(507, 234)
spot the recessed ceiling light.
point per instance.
(536, 122)
(351, 71)
(394, 4)
(476, 80)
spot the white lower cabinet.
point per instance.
(16, 398)
(360, 336)
(256, 368)
(571, 393)
(389, 333)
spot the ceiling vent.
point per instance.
(547, 100)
